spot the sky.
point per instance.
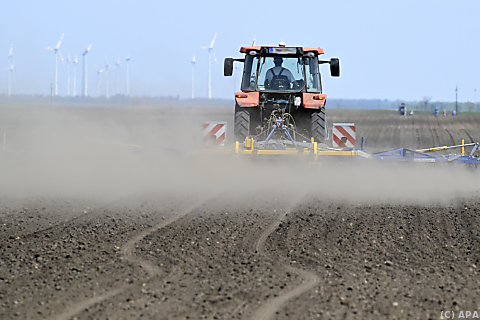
(404, 50)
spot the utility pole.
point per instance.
(456, 99)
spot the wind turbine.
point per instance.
(75, 75)
(10, 62)
(10, 55)
(193, 76)
(117, 67)
(85, 87)
(128, 88)
(56, 62)
(210, 66)
(68, 75)
(61, 58)
(98, 80)
(10, 78)
(106, 75)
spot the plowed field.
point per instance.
(110, 213)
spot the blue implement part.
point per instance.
(268, 138)
(409, 155)
(278, 125)
(290, 137)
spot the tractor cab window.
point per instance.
(281, 73)
(249, 73)
(313, 75)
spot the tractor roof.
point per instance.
(273, 49)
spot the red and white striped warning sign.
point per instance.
(343, 135)
(214, 134)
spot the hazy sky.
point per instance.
(387, 49)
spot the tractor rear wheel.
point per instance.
(241, 128)
(318, 126)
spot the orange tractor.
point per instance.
(281, 87)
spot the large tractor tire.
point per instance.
(318, 126)
(241, 128)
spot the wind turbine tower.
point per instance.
(106, 76)
(117, 67)
(84, 87)
(75, 75)
(128, 88)
(68, 75)
(55, 50)
(10, 70)
(210, 66)
(193, 77)
(98, 81)
(10, 79)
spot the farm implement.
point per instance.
(280, 143)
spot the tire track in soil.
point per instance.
(83, 215)
(469, 136)
(472, 128)
(310, 279)
(430, 127)
(451, 136)
(127, 254)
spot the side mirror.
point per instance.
(228, 67)
(335, 67)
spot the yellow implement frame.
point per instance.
(248, 148)
(463, 145)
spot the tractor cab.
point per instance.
(292, 69)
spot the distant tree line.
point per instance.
(426, 104)
(174, 101)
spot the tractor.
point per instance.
(281, 83)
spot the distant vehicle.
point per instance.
(435, 113)
(402, 109)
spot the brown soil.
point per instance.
(102, 230)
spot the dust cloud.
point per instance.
(109, 153)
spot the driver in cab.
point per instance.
(279, 77)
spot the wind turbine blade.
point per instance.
(214, 57)
(58, 45)
(48, 48)
(203, 48)
(11, 50)
(253, 40)
(215, 37)
(88, 49)
(61, 57)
